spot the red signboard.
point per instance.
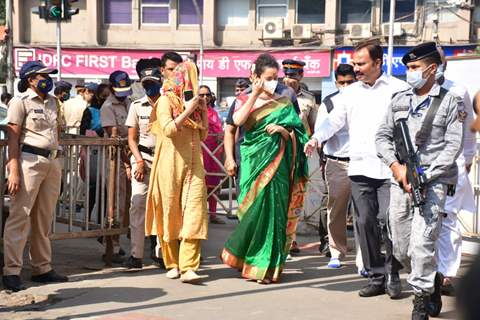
(99, 63)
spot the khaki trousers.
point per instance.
(32, 208)
(339, 194)
(137, 210)
(182, 254)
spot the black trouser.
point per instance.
(371, 198)
(323, 224)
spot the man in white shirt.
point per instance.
(449, 243)
(362, 107)
(335, 150)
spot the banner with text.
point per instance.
(92, 63)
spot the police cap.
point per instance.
(293, 67)
(421, 51)
(121, 83)
(35, 67)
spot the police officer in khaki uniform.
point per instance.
(113, 115)
(34, 176)
(434, 117)
(316, 188)
(142, 146)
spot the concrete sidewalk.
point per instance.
(308, 290)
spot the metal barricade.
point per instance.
(226, 182)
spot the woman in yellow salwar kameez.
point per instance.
(177, 197)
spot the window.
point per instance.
(356, 11)
(155, 11)
(404, 11)
(271, 9)
(232, 13)
(117, 11)
(187, 13)
(310, 11)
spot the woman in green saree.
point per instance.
(273, 175)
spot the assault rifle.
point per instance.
(406, 155)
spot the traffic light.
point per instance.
(55, 10)
(68, 11)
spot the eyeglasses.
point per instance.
(203, 95)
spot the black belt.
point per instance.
(38, 151)
(146, 150)
(338, 158)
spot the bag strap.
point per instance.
(424, 133)
(328, 101)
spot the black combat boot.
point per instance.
(420, 306)
(435, 304)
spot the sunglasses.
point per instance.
(203, 95)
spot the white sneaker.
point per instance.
(173, 273)
(191, 277)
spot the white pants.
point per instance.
(449, 243)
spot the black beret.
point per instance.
(421, 51)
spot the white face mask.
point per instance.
(440, 71)
(340, 89)
(270, 86)
(415, 78)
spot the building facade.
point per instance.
(233, 30)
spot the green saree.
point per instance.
(273, 174)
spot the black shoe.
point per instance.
(116, 258)
(294, 249)
(50, 276)
(121, 252)
(13, 283)
(372, 290)
(133, 263)
(323, 246)
(158, 262)
(420, 303)
(435, 303)
(393, 285)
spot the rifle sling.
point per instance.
(424, 133)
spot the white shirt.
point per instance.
(338, 144)
(469, 140)
(362, 108)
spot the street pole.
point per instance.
(59, 49)
(200, 25)
(390, 38)
(9, 23)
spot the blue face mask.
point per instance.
(152, 89)
(45, 85)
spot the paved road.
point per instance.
(308, 290)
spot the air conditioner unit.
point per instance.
(273, 28)
(302, 31)
(397, 30)
(358, 31)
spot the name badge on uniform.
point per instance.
(145, 117)
(38, 111)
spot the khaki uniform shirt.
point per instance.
(308, 109)
(38, 119)
(139, 117)
(73, 112)
(113, 113)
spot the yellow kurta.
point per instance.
(177, 195)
